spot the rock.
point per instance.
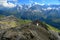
(8, 22)
(25, 31)
(54, 35)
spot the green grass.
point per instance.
(53, 28)
(21, 21)
(1, 16)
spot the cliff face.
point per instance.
(28, 31)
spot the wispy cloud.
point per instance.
(7, 4)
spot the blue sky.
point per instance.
(39, 1)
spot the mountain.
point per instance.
(26, 30)
(48, 13)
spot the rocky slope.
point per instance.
(27, 31)
(8, 22)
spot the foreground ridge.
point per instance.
(28, 31)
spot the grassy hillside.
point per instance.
(8, 23)
(21, 21)
(53, 28)
(1, 16)
(49, 26)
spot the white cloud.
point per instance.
(49, 8)
(7, 4)
(39, 3)
(42, 4)
(36, 3)
(44, 9)
(10, 5)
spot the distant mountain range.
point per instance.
(47, 13)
